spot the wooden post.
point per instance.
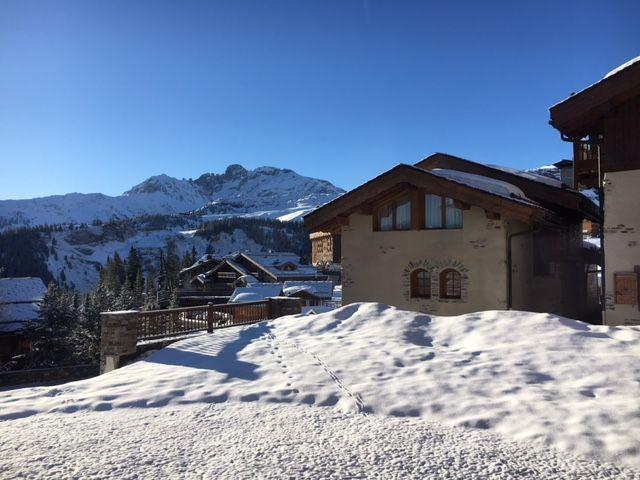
(210, 317)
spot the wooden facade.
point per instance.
(603, 123)
(325, 249)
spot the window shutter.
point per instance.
(626, 285)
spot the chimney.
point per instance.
(566, 172)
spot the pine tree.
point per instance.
(51, 337)
(133, 267)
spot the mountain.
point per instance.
(267, 192)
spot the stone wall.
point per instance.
(119, 337)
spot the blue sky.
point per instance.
(97, 96)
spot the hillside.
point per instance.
(485, 395)
(91, 227)
(266, 192)
(73, 256)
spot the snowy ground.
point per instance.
(255, 440)
(529, 390)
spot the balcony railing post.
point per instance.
(210, 317)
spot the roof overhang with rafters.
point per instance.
(562, 200)
(581, 114)
(333, 215)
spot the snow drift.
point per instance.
(526, 376)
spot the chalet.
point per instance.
(451, 236)
(217, 284)
(202, 265)
(256, 292)
(19, 306)
(311, 292)
(603, 124)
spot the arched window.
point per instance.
(420, 284)
(450, 283)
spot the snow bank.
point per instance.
(528, 377)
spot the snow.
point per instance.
(250, 440)
(21, 289)
(622, 67)
(491, 185)
(273, 262)
(553, 182)
(591, 194)
(315, 310)
(539, 380)
(19, 298)
(256, 292)
(265, 192)
(319, 288)
(592, 243)
(79, 259)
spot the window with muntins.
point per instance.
(395, 215)
(441, 212)
(450, 284)
(420, 284)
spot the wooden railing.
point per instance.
(155, 324)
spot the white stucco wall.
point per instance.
(621, 239)
(376, 266)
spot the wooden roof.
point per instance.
(562, 200)
(334, 214)
(581, 114)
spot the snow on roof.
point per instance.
(487, 184)
(24, 289)
(19, 298)
(318, 309)
(591, 194)
(321, 289)
(553, 182)
(276, 263)
(622, 67)
(255, 292)
(591, 243)
(248, 279)
(235, 265)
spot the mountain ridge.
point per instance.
(267, 192)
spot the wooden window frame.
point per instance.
(415, 293)
(625, 298)
(443, 212)
(417, 199)
(393, 205)
(457, 278)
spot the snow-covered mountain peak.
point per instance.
(159, 183)
(263, 192)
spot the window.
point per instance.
(626, 285)
(433, 211)
(395, 215)
(450, 284)
(441, 212)
(453, 215)
(420, 284)
(385, 219)
(403, 215)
